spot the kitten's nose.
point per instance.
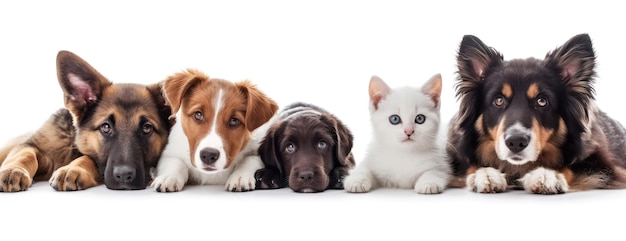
(408, 132)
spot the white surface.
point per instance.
(322, 52)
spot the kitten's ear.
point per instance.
(432, 88)
(378, 90)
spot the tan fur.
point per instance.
(533, 91)
(507, 91)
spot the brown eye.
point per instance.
(198, 116)
(499, 101)
(542, 102)
(147, 128)
(322, 145)
(290, 148)
(234, 122)
(105, 128)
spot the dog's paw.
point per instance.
(240, 183)
(357, 184)
(14, 179)
(487, 180)
(544, 181)
(337, 177)
(166, 183)
(72, 178)
(428, 188)
(267, 179)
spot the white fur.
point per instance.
(174, 169)
(544, 181)
(529, 154)
(393, 162)
(486, 180)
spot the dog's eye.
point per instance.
(394, 119)
(290, 148)
(322, 144)
(541, 102)
(234, 122)
(147, 128)
(198, 116)
(499, 101)
(420, 119)
(105, 128)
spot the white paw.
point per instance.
(357, 184)
(168, 183)
(487, 180)
(238, 182)
(544, 181)
(428, 188)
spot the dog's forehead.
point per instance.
(127, 102)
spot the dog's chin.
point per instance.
(518, 160)
(307, 190)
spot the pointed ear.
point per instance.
(378, 90)
(165, 111)
(82, 85)
(176, 86)
(269, 148)
(343, 140)
(260, 107)
(432, 88)
(475, 58)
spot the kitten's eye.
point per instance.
(290, 148)
(105, 129)
(198, 116)
(541, 102)
(499, 101)
(420, 119)
(147, 128)
(322, 144)
(394, 119)
(234, 122)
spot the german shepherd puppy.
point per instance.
(111, 133)
(533, 124)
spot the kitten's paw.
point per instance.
(14, 179)
(357, 184)
(167, 183)
(486, 180)
(428, 188)
(544, 181)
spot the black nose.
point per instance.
(124, 173)
(517, 143)
(209, 155)
(306, 176)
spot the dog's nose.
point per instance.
(517, 143)
(209, 155)
(306, 176)
(124, 173)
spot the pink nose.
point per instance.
(408, 132)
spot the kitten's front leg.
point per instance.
(432, 182)
(359, 180)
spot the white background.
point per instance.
(322, 52)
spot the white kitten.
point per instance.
(404, 151)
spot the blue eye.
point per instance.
(394, 119)
(420, 119)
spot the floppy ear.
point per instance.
(176, 86)
(432, 88)
(269, 148)
(165, 111)
(378, 90)
(260, 107)
(343, 140)
(82, 85)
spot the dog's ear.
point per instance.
(176, 86)
(343, 140)
(82, 85)
(269, 147)
(432, 88)
(378, 90)
(260, 107)
(163, 107)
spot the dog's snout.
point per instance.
(517, 143)
(209, 155)
(124, 173)
(306, 176)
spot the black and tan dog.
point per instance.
(532, 123)
(305, 148)
(111, 133)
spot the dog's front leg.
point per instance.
(19, 168)
(79, 174)
(172, 175)
(337, 177)
(242, 179)
(269, 178)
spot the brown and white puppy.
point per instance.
(211, 140)
(111, 133)
(307, 149)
